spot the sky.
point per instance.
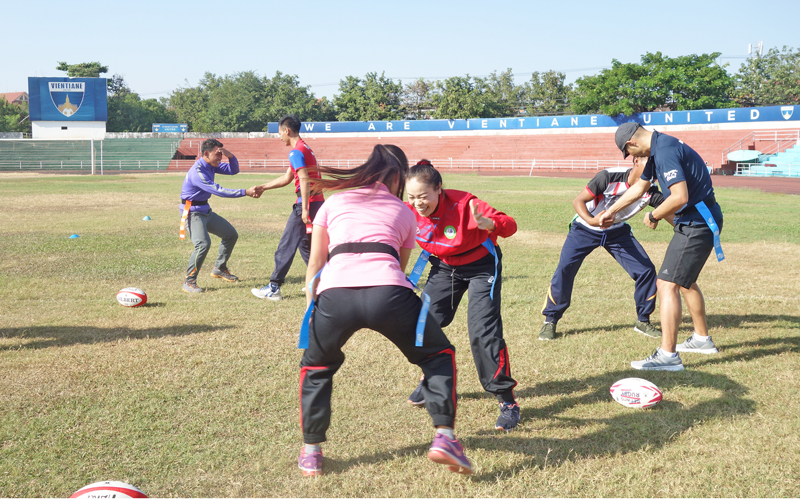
(160, 46)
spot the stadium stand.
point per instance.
(116, 154)
(52, 155)
(506, 151)
(138, 154)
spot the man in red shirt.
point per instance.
(303, 168)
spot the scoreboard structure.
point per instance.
(68, 108)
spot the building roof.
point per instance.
(15, 96)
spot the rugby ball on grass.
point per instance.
(109, 489)
(131, 297)
(636, 393)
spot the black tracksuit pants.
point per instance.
(391, 311)
(446, 286)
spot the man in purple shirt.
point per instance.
(200, 220)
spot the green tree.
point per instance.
(14, 117)
(462, 97)
(374, 98)
(546, 94)
(83, 70)
(415, 99)
(658, 83)
(127, 112)
(503, 93)
(771, 79)
(245, 102)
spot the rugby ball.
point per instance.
(109, 489)
(636, 393)
(131, 297)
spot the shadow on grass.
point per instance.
(746, 321)
(60, 336)
(627, 432)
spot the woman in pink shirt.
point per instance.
(360, 245)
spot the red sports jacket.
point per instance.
(451, 234)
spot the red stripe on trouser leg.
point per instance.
(303, 371)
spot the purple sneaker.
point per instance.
(310, 463)
(449, 452)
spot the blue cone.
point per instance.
(147, 217)
(74, 236)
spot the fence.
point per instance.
(448, 163)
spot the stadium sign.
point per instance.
(68, 99)
(171, 127)
(695, 117)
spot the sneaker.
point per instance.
(509, 417)
(224, 274)
(310, 463)
(271, 292)
(190, 285)
(449, 452)
(701, 346)
(659, 361)
(416, 398)
(647, 328)
(548, 331)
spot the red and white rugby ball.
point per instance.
(109, 490)
(131, 297)
(636, 393)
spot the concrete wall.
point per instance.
(68, 130)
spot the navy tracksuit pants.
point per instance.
(621, 244)
(294, 238)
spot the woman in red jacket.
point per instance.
(458, 235)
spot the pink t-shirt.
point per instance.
(365, 215)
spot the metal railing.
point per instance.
(768, 170)
(782, 139)
(84, 165)
(448, 163)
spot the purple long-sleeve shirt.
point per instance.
(199, 183)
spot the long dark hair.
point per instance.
(384, 164)
(426, 174)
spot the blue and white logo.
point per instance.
(67, 97)
(787, 111)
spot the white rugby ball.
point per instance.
(636, 393)
(109, 490)
(131, 297)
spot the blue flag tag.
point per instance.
(302, 342)
(423, 316)
(490, 246)
(712, 224)
(419, 268)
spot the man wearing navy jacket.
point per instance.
(200, 220)
(689, 195)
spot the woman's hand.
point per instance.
(484, 223)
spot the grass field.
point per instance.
(196, 395)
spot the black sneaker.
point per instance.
(548, 331)
(509, 417)
(416, 398)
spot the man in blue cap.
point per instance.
(689, 196)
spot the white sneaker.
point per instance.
(271, 292)
(659, 361)
(701, 346)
